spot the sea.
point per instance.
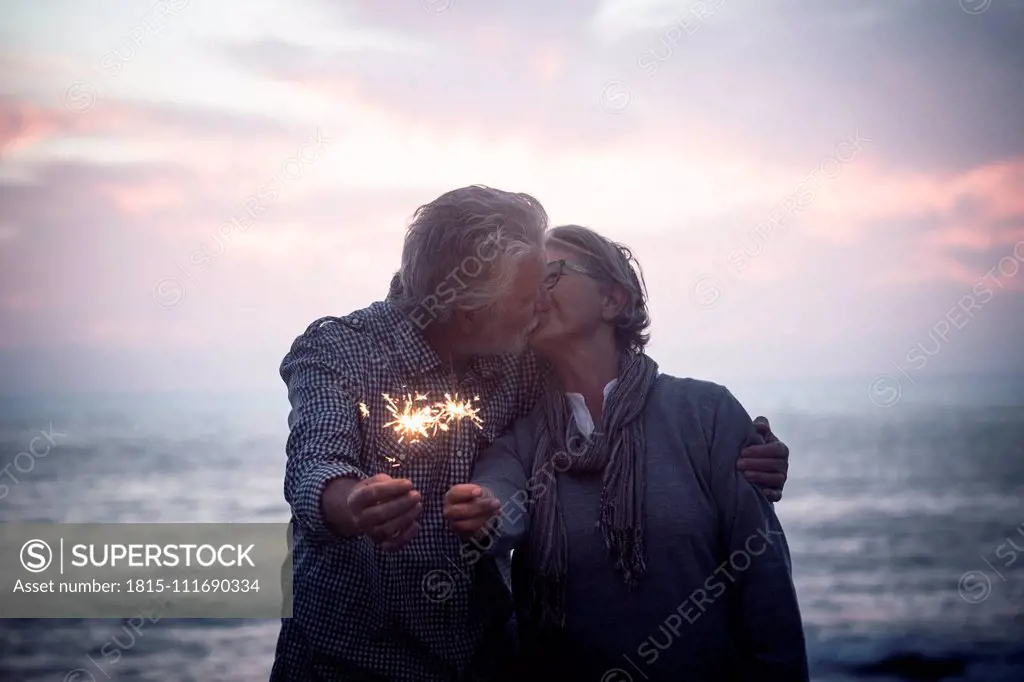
(904, 511)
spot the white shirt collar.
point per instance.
(581, 414)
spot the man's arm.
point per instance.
(766, 464)
(764, 604)
(323, 443)
(328, 490)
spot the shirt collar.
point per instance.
(607, 389)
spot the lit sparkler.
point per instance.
(415, 418)
(455, 410)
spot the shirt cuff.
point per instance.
(308, 509)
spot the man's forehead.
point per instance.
(529, 274)
(530, 263)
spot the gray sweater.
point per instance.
(718, 600)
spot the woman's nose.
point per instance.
(544, 299)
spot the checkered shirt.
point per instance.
(359, 612)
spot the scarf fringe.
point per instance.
(549, 600)
(626, 549)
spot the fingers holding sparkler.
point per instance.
(402, 520)
(403, 538)
(376, 490)
(383, 507)
(468, 508)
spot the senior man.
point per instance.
(383, 590)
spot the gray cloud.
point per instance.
(934, 85)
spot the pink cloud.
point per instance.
(21, 123)
(943, 220)
(309, 254)
(491, 40)
(1005, 275)
(998, 186)
(867, 191)
(549, 63)
(192, 133)
(144, 198)
(977, 238)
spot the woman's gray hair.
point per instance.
(461, 249)
(612, 264)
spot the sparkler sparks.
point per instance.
(415, 418)
(455, 410)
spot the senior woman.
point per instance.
(640, 551)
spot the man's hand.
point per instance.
(468, 508)
(383, 508)
(766, 465)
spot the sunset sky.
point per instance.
(812, 187)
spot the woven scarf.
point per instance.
(617, 450)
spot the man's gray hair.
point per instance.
(461, 250)
(612, 264)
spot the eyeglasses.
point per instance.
(557, 268)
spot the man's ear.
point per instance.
(614, 303)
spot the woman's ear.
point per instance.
(614, 303)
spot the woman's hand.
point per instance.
(468, 508)
(766, 466)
